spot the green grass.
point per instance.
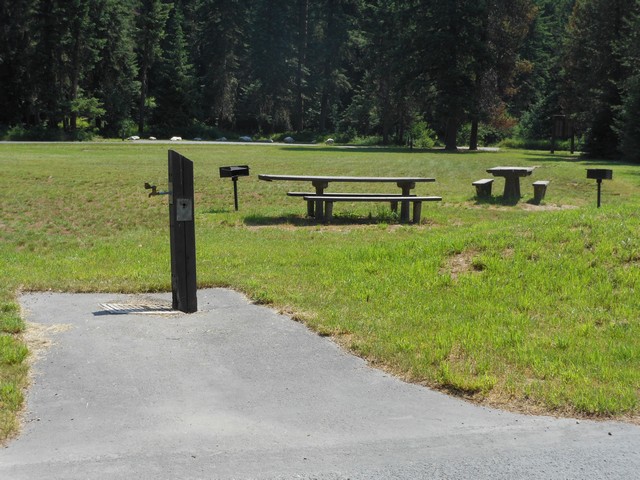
(535, 308)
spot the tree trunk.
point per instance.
(302, 57)
(473, 138)
(451, 132)
(329, 55)
(143, 99)
(324, 107)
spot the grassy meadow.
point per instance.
(533, 308)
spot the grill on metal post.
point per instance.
(599, 174)
(233, 172)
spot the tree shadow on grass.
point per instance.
(297, 221)
(497, 200)
(382, 149)
(265, 221)
(577, 158)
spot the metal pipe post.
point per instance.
(235, 192)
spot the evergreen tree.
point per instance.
(594, 70)
(151, 19)
(628, 121)
(66, 50)
(539, 79)
(174, 85)
(16, 51)
(449, 42)
(504, 25)
(269, 89)
(50, 29)
(301, 47)
(221, 34)
(113, 81)
(384, 100)
(331, 52)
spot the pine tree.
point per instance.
(16, 51)
(504, 25)
(221, 35)
(628, 119)
(539, 80)
(331, 51)
(269, 89)
(151, 19)
(449, 41)
(174, 84)
(384, 101)
(594, 71)
(113, 81)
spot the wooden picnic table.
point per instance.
(320, 183)
(511, 179)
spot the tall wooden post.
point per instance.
(182, 233)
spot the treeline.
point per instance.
(471, 71)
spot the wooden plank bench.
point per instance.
(483, 187)
(539, 190)
(311, 203)
(329, 200)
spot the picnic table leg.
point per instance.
(511, 187)
(417, 211)
(404, 205)
(328, 211)
(320, 186)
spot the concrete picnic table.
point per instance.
(511, 179)
(320, 183)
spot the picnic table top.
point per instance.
(332, 178)
(520, 171)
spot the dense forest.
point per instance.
(419, 71)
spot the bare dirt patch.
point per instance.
(460, 264)
(542, 208)
(38, 338)
(530, 207)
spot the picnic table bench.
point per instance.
(317, 201)
(330, 199)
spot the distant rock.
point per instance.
(289, 140)
(176, 139)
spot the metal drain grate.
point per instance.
(124, 308)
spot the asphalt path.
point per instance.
(237, 391)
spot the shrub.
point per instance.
(535, 144)
(422, 135)
(487, 134)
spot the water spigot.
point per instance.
(153, 189)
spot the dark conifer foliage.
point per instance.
(388, 68)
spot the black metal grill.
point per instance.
(233, 172)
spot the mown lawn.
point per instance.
(530, 307)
